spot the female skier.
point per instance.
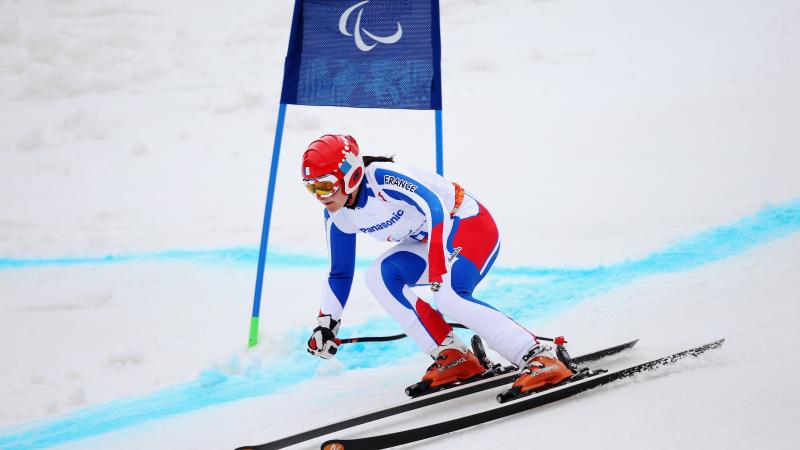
(445, 239)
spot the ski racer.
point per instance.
(444, 238)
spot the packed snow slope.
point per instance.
(641, 159)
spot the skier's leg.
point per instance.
(474, 243)
(389, 279)
(475, 236)
(502, 333)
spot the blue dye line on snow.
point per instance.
(770, 223)
(524, 292)
(234, 255)
(560, 288)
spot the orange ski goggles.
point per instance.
(324, 186)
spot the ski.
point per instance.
(421, 402)
(536, 400)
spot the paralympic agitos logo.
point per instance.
(357, 30)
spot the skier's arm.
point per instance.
(342, 253)
(401, 186)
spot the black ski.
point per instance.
(422, 402)
(549, 396)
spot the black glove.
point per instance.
(323, 342)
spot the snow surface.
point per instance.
(641, 159)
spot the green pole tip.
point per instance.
(252, 341)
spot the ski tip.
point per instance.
(630, 344)
(713, 345)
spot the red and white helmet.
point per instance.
(334, 154)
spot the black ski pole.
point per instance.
(395, 337)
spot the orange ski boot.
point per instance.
(453, 363)
(542, 369)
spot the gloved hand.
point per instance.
(323, 342)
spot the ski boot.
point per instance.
(453, 365)
(542, 370)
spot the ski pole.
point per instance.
(395, 337)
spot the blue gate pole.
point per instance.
(262, 252)
(439, 144)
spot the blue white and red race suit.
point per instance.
(443, 235)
